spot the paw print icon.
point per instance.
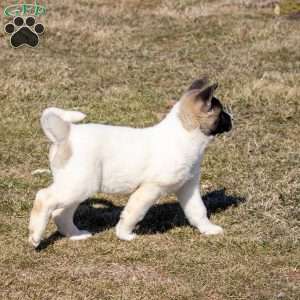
(24, 31)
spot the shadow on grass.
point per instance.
(97, 215)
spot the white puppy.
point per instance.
(148, 163)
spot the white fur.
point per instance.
(148, 163)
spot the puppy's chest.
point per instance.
(176, 169)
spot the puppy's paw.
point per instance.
(124, 234)
(211, 229)
(34, 241)
(80, 235)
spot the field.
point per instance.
(120, 62)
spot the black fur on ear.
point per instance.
(198, 84)
(215, 86)
(206, 94)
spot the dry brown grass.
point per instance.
(119, 61)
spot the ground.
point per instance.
(120, 62)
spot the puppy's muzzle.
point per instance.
(225, 123)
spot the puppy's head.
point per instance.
(199, 108)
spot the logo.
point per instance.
(23, 29)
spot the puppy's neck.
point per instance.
(173, 123)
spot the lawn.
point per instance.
(120, 62)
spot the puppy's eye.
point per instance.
(210, 107)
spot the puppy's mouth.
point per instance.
(224, 124)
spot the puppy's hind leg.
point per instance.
(44, 203)
(63, 218)
(139, 203)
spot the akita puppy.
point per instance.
(146, 163)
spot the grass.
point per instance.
(120, 62)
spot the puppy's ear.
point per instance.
(215, 86)
(207, 93)
(199, 84)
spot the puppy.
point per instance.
(146, 163)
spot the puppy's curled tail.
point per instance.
(56, 123)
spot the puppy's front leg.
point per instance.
(190, 200)
(139, 203)
(43, 206)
